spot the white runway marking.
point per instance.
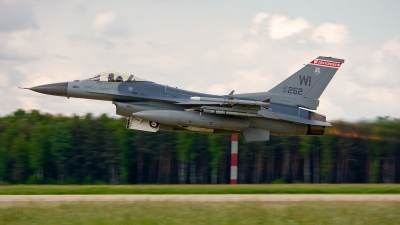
(7, 199)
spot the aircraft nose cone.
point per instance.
(58, 89)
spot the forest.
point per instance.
(39, 148)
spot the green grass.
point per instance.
(202, 189)
(202, 213)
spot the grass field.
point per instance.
(202, 213)
(202, 189)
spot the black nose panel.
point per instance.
(59, 89)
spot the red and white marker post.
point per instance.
(234, 158)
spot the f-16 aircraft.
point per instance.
(148, 106)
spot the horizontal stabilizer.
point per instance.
(307, 121)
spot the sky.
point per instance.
(205, 46)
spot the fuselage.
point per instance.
(145, 96)
(134, 91)
(149, 106)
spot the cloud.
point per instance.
(102, 20)
(250, 61)
(330, 33)
(106, 25)
(392, 49)
(252, 58)
(257, 20)
(5, 81)
(246, 49)
(377, 66)
(19, 46)
(80, 9)
(281, 26)
(14, 1)
(260, 17)
(16, 18)
(162, 62)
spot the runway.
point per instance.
(10, 199)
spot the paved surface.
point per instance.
(9, 199)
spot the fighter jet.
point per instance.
(148, 106)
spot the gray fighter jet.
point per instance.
(148, 106)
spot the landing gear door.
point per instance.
(135, 123)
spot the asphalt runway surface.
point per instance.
(11, 199)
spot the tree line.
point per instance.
(38, 148)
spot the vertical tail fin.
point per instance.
(311, 80)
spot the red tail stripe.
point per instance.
(327, 63)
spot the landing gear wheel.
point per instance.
(153, 124)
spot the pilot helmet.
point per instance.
(119, 79)
(111, 76)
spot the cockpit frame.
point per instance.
(114, 77)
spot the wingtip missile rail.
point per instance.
(231, 101)
(225, 112)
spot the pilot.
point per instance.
(119, 79)
(111, 77)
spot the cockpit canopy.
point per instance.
(115, 77)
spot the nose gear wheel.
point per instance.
(153, 124)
